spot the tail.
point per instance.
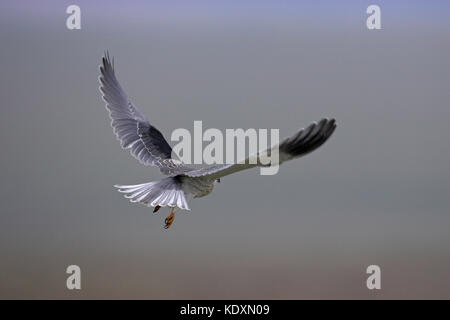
(165, 192)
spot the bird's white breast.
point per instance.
(199, 187)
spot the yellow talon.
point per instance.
(169, 220)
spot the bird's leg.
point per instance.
(156, 209)
(169, 220)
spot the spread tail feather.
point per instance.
(165, 192)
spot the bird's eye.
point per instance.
(218, 180)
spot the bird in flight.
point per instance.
(147, 144)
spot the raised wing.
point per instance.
(131, 127)
(303, 142)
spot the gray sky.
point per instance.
(376, 193)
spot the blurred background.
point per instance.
(376, 193)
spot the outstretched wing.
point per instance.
(303, 142)
(131, 127)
